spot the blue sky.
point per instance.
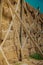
(36, 4)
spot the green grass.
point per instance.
(36, 56)
(17, 63)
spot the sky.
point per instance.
(36, 4)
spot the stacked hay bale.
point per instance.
(2, 60)
(0, 21)
(9, 46)
(12, 45)
(33, 20)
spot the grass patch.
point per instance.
(36, 56)
(17, 63)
